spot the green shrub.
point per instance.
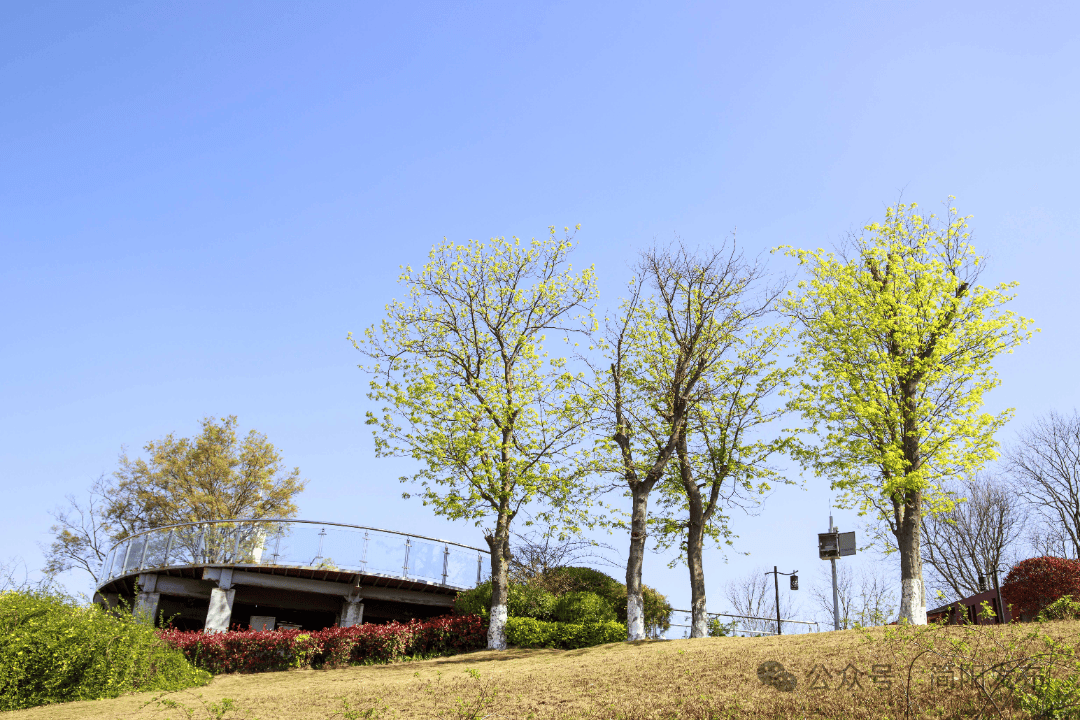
(581, 579)
(533, 633)
(1064, 608)
(719, 629)
(525, 600)
(53, 650)
(476, 601)
(531, 601)
(583, 607)
(537, 598)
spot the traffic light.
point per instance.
(794, 582)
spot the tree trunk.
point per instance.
(908, 532)
(499, 543)
(695, 527)
(635, 597)
(699, 625)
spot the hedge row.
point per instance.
(526, 632)
(251, 651)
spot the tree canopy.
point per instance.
(215, 475)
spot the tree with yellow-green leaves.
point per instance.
(470, 393)
(215, 475)
(897, 342)
(688, 368)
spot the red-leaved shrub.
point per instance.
(1033, 584)
(250, 651)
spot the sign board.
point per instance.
(847, 543)
(262, 622)
(832, 546)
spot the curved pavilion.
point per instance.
(285, 573)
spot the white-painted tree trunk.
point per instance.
(635, 617)
(497, 628)
(912, 601)
(699, 623)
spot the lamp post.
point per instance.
(776, 586)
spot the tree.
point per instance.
(673, 331)
(897, 342)
(720, 454)
(1045, 463)
(973, 539)
(471, 395)
(212, 476)
(864, 597)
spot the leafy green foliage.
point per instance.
(583, 607)
(897, 340)
(537, 599)
(53, 650)
(582, 579)
(532, 633)
(1064, 608)
(469, 390)
(719, 629)
(524, 600)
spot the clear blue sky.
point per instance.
(199, 200)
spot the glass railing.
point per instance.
(299, 543)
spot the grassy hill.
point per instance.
(708, 678)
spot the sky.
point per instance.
(198, 201)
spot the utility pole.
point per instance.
(832, 546)
(776, 586)
(835, 594)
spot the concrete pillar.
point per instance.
(146, 607)
(219, 614)
(352, 612)
(148, 599)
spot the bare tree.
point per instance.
(1045, 463)
(973, 539)
(83, 531)
(754, 595)
(865, 596)
(534, 554)
(1049, 541)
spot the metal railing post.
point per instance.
(479, 565)
(236, 545)
(200, 554)
(445, 562)
(145, 547)
(168, 548)
(127, 554)
(405, 567)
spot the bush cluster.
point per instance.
(532, 633)
(559, 595)
(1035, 583)
(54, 650)
(251, 651)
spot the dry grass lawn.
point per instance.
(707, 678)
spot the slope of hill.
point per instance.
(875, 673)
